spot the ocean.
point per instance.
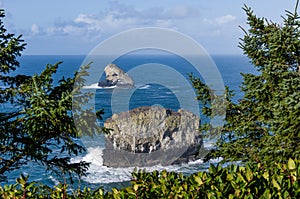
(156, 87)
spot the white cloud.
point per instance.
(225, 19)
(119, 17)
(86, 19)
(219, 22)
(114, 20)
(35, 29)
(164, 24)
(65, 30)
(108, 23)
(89, 22)
(181, 11)
(69, 29)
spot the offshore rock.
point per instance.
(148, 136)
(115, 76)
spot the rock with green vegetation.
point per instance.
(147, 136)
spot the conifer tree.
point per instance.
(264, 125)
(36, 118)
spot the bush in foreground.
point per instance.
(250, 181)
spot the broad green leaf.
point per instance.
(291, 164)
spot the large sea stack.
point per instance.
(115, 76)
(148, 136)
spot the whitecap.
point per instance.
(146, 86)
(95, 86)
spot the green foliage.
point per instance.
(264, 125)
(261, 129)
(11, 48)
(39, 114)
(250, 181)
(25, 190)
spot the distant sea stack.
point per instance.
(148, 136)
(115, 76)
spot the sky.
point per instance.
(75, 27)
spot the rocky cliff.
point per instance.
(115, 76)
(148, 136)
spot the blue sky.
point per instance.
(77, 26)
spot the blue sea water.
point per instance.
(146, 94)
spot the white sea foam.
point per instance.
(94, 156)
(216, 160)
(54, 180)
(98, 173)
(95, 86)
(147, 86)
(199, 161)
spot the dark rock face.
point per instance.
(106, 83)
(115, 76)
(148, 136)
